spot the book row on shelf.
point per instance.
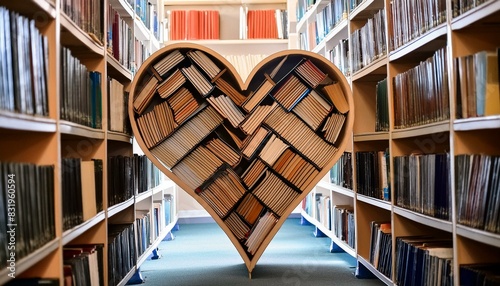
(239, 151)
(88, 16)
(206, 24)
(372, 169)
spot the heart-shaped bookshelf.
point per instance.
(248, 152)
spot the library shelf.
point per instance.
(386, 205)
(371, 136)
(364, 9)
(34, 6)
(478, 14)
(27, 262)
(427, 129)
(117, 70)
(142, 32)
(24, 122)
(339, 32)
(308, 16)
(123, 8)
(121, 137)
(424, 219)
(376, 71)
(335, 188)
(479, 235)
(74, 129)
(80, 229)
(113, 210)
(74, 36)
(425, 44)
(477, 123)
(373, 270)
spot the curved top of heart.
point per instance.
(248, 152)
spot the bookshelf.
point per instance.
(459, 131)
(235, 130)
(52, 139)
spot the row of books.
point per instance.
(83, 264)
(121, 251)
(245, 63)
(328, 18)
(27, 209)
(24, 68)
(458, 7)
(118, 107)
(422, 184)
(143, 223)
(275, 193)
(81, 92)
(411, 20)
(141, 52)
(479, 274)
(119, 38)
(323, 212)
(381, 106)
(477, 191)
(250, 208)
(193, 25)
(295, 169)
(343, 225)
(88, 15)
(263, 24)
(372, 169)
(368, 43)
(148, 175)
(307, 39)
(424, 260)
(82, 190)
(341, 172)
(148, 14)
(260, 231)
(381, 247)
(421, 94)
(340, 56)
(477, 84)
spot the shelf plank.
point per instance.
(374, 202)
(424, 219)
(336, 188)
(432, 128)
(117, 71)
(475, 15)
(33, 7)
(427, 43)
(118, 136)
(376, 71)
(310, 15)
(478, 235)
(27, 262)
(123, 8)
(143, 196)
(163, 186)
(141, 32)
(375, 272)
(371, 136)
(339, 32)
(365, 9)
(73, 36)
(74, 129)
(78, 230)
(477, 123)
(128, 276)
(120, 207)
(24, 122)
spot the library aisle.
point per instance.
(294, 257)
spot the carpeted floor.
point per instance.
(201, 254)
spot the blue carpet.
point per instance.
(201, 254)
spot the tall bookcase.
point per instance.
(428, 55)
(43, 125)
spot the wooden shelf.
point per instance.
(365, 9)
(424, 219)
(426, 44)
(375, 202)
(443, 126)
(373, 270)
(78, 230)
(117, 70)
(27, 262)
(74, 37)
(475, 15)
(477, 123)
(117, 136)
(478, 235)
(336, 188)
(113, 210)
(376, 71)
(371, 136)
(17, 121)
(74, 129)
